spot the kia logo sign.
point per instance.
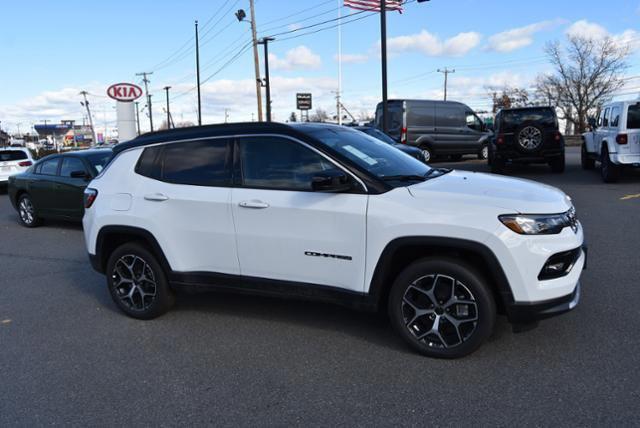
(124, 92)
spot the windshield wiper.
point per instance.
(408, 177)
(439, 171)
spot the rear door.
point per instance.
(286, 231)
(395, 120)
(69, 190)
(421, 122)
(187, 185)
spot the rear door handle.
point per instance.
(156, 197)
(254, 204)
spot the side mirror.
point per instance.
(80, 174)
(331, 182)
(592, 122)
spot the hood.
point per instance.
(514, 195)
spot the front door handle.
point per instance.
(254, 204)
(156, 197)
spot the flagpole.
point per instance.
(338, 95)
(383, 48)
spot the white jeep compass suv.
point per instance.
(318, 211)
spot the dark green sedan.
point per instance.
(54, 186)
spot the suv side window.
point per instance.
(605, 120)
(70, 165)
(197, 163)
(50, 167)
(279, 164)
(615, 116)
(473, 121)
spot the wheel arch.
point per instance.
(401, 252)
(111, 237)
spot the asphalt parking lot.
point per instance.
(69, 357)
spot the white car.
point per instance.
(614, 140)
(13, 160)
(319, 211)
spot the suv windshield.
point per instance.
(633, 116)
(513, 118)
(371, 154)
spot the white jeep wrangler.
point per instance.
(614, 140)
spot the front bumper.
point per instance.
(526, 313)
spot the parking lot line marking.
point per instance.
(624, 198)
(6, 321)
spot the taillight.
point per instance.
(25, 163)
(557, 136)
(621, 139)
(403, 136)
(90, 196)
(500, 139)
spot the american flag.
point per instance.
(374, 5)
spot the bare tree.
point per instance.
(320, 115)
(293, 117)
(587, 73)
(365, 116)
(508, 97)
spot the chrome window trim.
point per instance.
(234, 136)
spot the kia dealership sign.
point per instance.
(124, 92)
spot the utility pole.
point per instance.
(226, 115)
(146, 81)
(383, 48)
(166, 88)
(446, 72)
(138, 116)
(339, 93)
(197, 77)
(86, 105)
(265, 41)
(256, 60)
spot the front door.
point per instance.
(286, 231)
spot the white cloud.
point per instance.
(353, 58)
(431, 45)
(589, 30)
(517, 38)
(298, 58)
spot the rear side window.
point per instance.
(420, 114)
(615, 116)
(196, 163)
(633, 117)
(12, 155)
(70, 165)
(49, 167)
(605, 120)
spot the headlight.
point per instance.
(540, 224)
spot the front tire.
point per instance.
(137, 283)
(442, 308)
(609, 171)
(427, 154)
(27, 211)
(483, 154)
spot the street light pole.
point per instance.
(166, 88)
(197, 77)
(265, 41)
(383, 48)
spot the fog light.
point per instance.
(559, 264)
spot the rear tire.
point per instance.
(137, 283)
(609, 171)
(585, 160)
(442, 308)
(427, 154)
(557, 164)
(27, 211)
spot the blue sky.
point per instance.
(52, 50)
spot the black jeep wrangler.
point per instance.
(526, 135)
